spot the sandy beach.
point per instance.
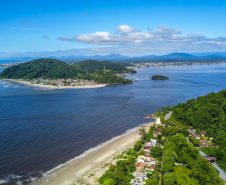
(87, 169)
(55, 87)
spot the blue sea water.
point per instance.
(42, 128)
(8, 61)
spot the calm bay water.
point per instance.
(7, 61)
(42, 128)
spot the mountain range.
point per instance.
(118, 57)
(171, 56)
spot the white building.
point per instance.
(153, 142)
(158, 122)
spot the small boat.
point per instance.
(135, 79)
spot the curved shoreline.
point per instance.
(88, 167)
(55, 87)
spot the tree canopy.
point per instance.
(93, 66)
(206, 113)
(159, 77)
(191, 165)
(56, 69)
(45, 68)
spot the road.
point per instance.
(167, 116)
(222, 173)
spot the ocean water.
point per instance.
(41, 129)
(7, 61)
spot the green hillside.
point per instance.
(207, 113)
(46, 68)
(56, 69)
(159, 77)
(94, 66)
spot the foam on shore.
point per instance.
(63, 167)
(55, 87)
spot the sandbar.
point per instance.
(55, 87)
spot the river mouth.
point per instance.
(41, 129)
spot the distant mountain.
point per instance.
(218, 54)
(95, 57)
(120, 58)
(148, 57)
(178, 56)
(111, 56)
(212, 56)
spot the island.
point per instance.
(159, 77)
(55, 73)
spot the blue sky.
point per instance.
(90, 27)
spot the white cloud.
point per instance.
(65, 38)
(125, 29)
(129, 41)
(196, 36)
(162, 38)
(165, 30)
(125, 36)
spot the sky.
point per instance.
(38, 28)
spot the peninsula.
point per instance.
(57, 74)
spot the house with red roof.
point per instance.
(204, 143)
(194, 135)
(147, 148)
(158, 129)
(140, 165)
(157, 132)
(202, 133)
(152, 167)
(189, 128)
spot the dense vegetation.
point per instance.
(120, 173)
(207, 113)
(176, 150)
(93, 66)
(159, 77)
(125, 64)
(46, 68)
(56, 69)
(181, 162)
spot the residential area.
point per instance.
(146, 164)
(63, 82)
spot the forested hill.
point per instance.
(46, 68)
(207, 113)
(93, 66)
(56, 69)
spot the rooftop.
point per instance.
(140, 164)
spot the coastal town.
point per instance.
(146, 164)
(150, 164)
(10, 64)
(62, 82)
(173, 63)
